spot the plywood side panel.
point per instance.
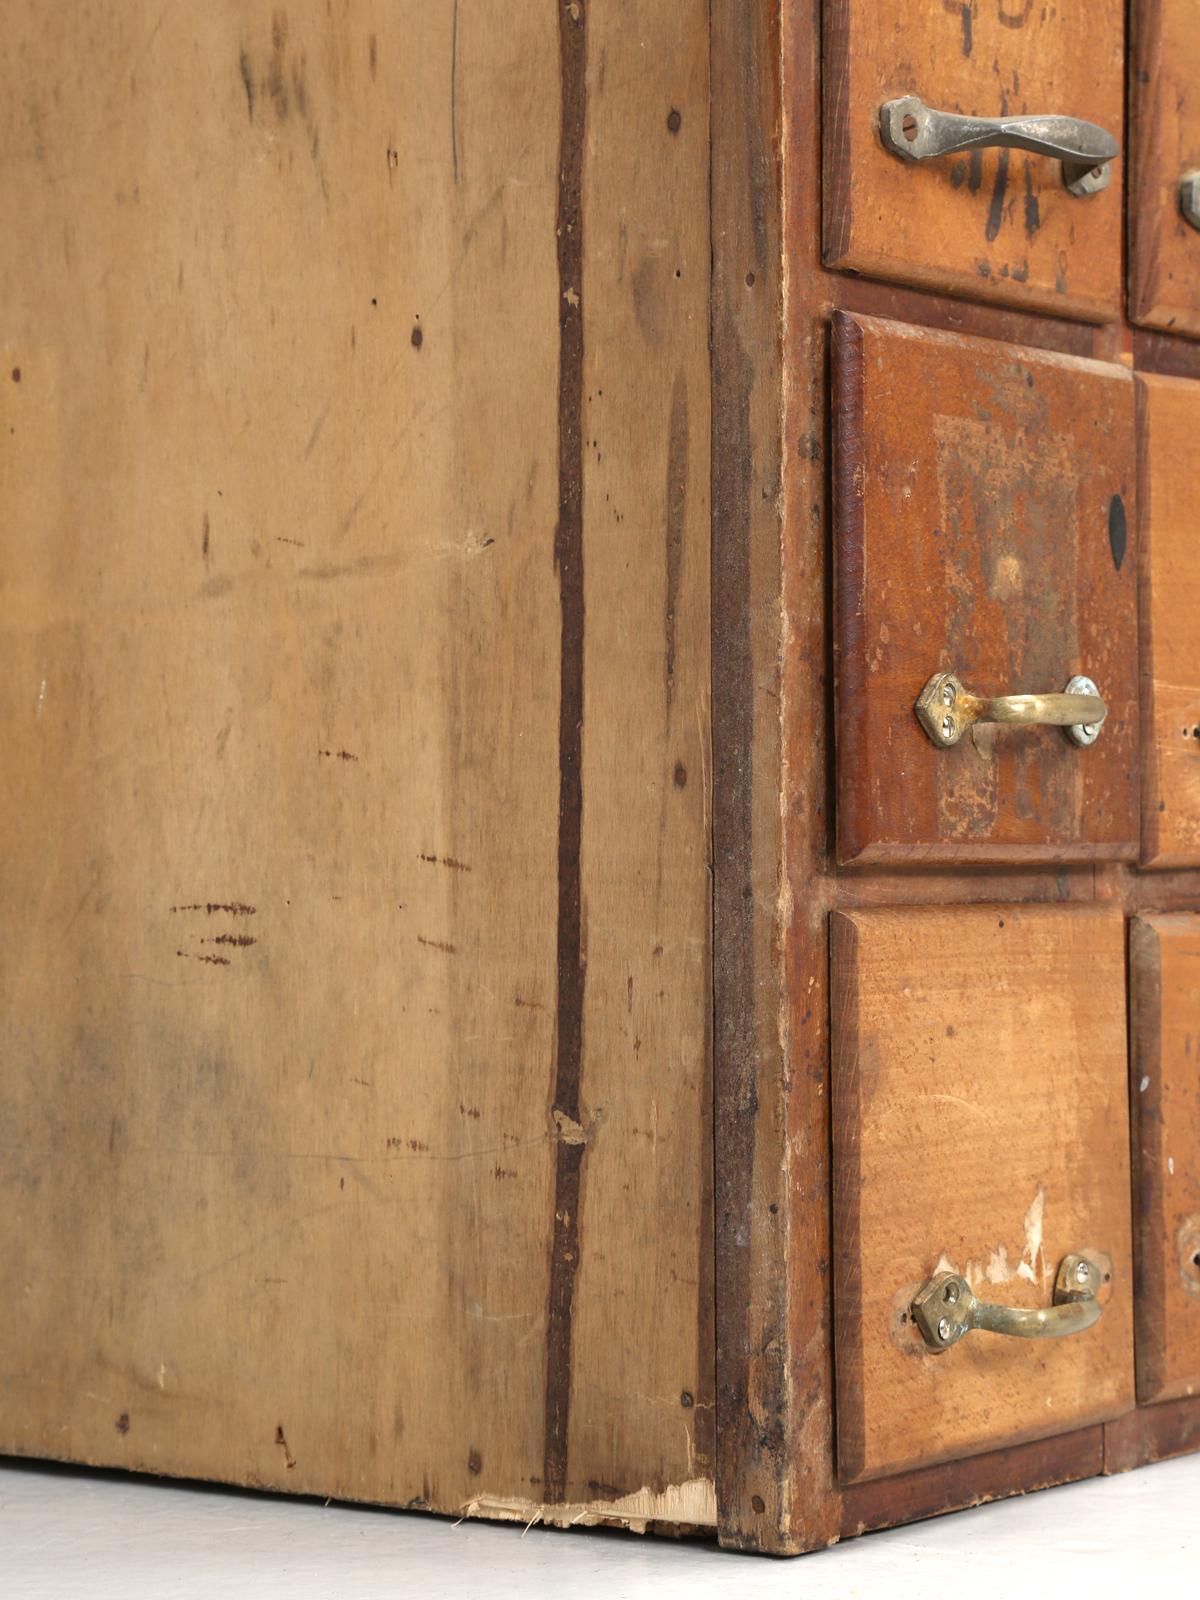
(284, 619)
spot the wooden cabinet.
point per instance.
(545, 569)
(998, 224)
(979, 1129)
(984, 519)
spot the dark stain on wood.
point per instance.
(1033, 216)
(677, 482)
(247, 76)
(995, 216)
(1118, 530)
(569, 563)
(232, 908)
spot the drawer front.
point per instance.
(1165, 974)
(991, 223)
(1170, 638)
(984, 525)
(980, 1128)
(1164, 132)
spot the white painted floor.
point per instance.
(73, 1535)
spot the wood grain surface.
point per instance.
(1164, 144)
(1164, 963)
(984, 520)
(1169, 416)
(354, 911)
(979, 1126)
(992, 224)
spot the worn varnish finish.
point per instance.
(1164, 144)
(984, 502)
(992, 224)
(761, 1414)
(357, 588)
(355, 904)
(979, 1126)
(1170, 640)
(1164, 961)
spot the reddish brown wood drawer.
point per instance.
(1164, 106)
(983, 525)
(998, 224)
(980, 1128)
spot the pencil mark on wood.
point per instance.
(233, 908)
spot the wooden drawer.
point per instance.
(980, 1127)
(1164, 132)
(1170, 640)
(1165, 975)
(982, 524)
(992, 223)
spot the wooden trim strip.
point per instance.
(568, 561)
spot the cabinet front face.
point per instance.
(989, 222)
(1170, 638)
(1165, 974)
(1164, 173)
(980, 1141)
(983, 531)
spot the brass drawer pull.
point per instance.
(946, 710)
(914, 131)
(946, 1309)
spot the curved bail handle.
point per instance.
(916, 132)
(946, 1309)
(946, 709)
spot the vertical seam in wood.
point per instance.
(568, 561)
(847, 1114)
(849, 448)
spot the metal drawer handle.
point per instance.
(1189, 198)
(946, 710)
(916, 132)
(946, 1309)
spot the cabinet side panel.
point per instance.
(292, 596)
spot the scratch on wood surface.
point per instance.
(997, 1268)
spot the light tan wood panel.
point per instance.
(991, 224)
(641, 1401)
(1165, 1094)
(282, 634)
(1169, 414)
(980, 1127)
(283, 880)
(1164, 135)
